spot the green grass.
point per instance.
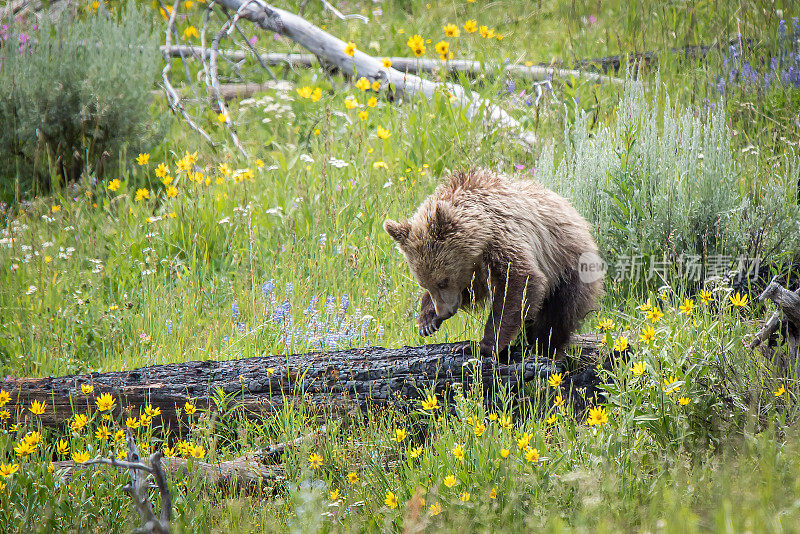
(93, 279)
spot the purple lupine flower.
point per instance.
(268, 288)
(345, 303)
(234, 310)
(511, 86)
(168, 326)
(721, 86)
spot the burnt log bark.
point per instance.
(337, 381)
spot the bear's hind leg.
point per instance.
(561, 314)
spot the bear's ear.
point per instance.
(398, 230)
(442, 224)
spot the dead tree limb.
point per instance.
(788, 303)
(412, 65)
(232, 475)
(139, 485)
(173, 98)
(340, 380)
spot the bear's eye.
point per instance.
(443, 284)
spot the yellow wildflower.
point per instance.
(450, 481)
(464, 497)
(687, 306)
(470, 26)
(62, 447)
(524, 441)
(647, 335)
(142, 194)
(79, 422)
(24, 448)
(415, 452)
(350, 102)
(37, 408)
(435, 509)
(705, 297)
(102, 433)
(605, 324)
(551, 419)
(559, 402)
(5, 397)
(362, 84)
(655, 315)
(352, 478)
(387, 63)
(505, 422)
(417, 45)
(670, 386)
(458, 452)
(684, 401)
(86, 389)
(80, 457)
(780, 391)
(431, 402)
(480, 428)
(638, 368)
(363, 115)
(738, 300)
(189, 408)
(532, 456)
(621, 344)
(6, 470)
(399, 435)
(597, 416)
(190, 32)
(390, 500)
(105, 402)
(383, 133)
(314, 460)
(555, 380)
(132, 423)
(451, 30)
(350, 49)
(304, 92)
(162, 170)
(443, 49)
(222, 117)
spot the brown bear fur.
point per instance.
(483, 236)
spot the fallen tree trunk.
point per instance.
(335, 52)
(403, 64)
(340, 380)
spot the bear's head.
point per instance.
(441, 251)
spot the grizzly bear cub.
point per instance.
(483, 236)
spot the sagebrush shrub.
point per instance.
(662, 183)
(73, 95)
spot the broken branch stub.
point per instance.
(332, 50)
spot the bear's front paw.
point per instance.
(486, 347)
(428, 323)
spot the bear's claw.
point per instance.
(429, 323)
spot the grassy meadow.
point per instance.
(183, 251)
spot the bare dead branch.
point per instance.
(273, 453)
(173, 98)
(338, 14)
(226, 28)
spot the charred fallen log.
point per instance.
(339, 380)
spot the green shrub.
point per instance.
(73, 96)
(662, 184)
